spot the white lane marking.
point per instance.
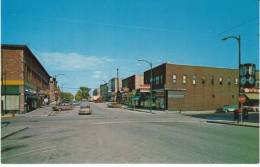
(31, 151)
(120, 122)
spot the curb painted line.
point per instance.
(13, 133)
(231, 123)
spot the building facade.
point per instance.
(104, 91)
(113, 88)
(184, 87)
(54, 92)
(25, 82)
(133, 82)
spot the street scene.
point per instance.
(124, 136)
(129, 82)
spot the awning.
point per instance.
(252, 96)
(136, 97)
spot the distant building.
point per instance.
(184, 87)
(54, 92)
(104, 91)
(96, 92)
(25, 82)
(113, 88)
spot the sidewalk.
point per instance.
(39, 112)
(225, 118)
(147, 110)
(246, 124)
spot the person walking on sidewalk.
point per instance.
(236, 115)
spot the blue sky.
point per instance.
(88, 39)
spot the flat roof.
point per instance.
(24, 47)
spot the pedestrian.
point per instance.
(236, 115)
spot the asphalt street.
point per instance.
(123, 136)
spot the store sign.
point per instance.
(125, 89)
(145, 88)
(252, 90)
(176, 94)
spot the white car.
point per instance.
(85, 110)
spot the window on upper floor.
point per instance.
(203, 80)
(184, 79)
(194, 79)
(220, 80)
(174, 78)
(161, 79)
(236, 81)
(157, 80)
(229, 81)
(212, 80)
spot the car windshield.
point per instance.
(85, 106)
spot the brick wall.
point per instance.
(12, 64)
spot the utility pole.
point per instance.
(151, 81)
(117, 80)
(238, 38)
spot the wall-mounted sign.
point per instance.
(247, 75)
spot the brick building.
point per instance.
(25, 82)
(133, 82)
(184, 87)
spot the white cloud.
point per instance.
(73, 61)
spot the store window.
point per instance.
(184, 79)
(174, 79)
(194, 78)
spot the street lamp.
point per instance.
(151, 80)
(54, 76)
(239, 64)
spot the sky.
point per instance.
(86, 40)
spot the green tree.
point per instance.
(82, 93)
(67, 96)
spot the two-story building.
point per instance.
(25, 82)
(185, 87)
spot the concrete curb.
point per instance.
(138, 110)
(233, 123)
(13, 133)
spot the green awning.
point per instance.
(136, 97)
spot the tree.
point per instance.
(82, 93)
(67, 96)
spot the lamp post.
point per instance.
(238, 38)
(151, 80)
(55, 76)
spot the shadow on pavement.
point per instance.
(253, 117)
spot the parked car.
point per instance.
(85, 109)
(62, 107)
(229, 108)
(114, 105)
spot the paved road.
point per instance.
(122, 136)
